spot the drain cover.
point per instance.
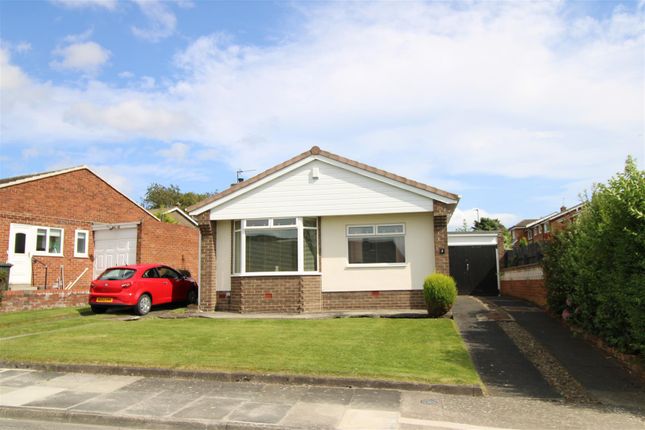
(429, 402)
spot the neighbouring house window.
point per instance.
(373, 244)
(546, 227)
(530, 233)
(275, 245)
(80, 243)
(49, 241)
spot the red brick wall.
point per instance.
(289, 294)
(74, 201)
(441, 214)
(171, 244)
(359, 300)
(30, 300)
(208, 261)
(524, 282)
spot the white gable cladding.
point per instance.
(337, 191)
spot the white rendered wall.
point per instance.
(337, 275)
(223, 255)
(337, 191)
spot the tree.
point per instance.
(488, 224)
(463, 228)
(158, 196)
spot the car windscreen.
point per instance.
(116, 274)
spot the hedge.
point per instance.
(595, 270)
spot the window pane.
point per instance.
(310, 250)
(237, 245)
(366, 229)
(390, 229)
(41, 240)
(54, 241)
(116, 274)
(310, 222)
(237, 225)
(272, 250)
(19, 243)
(284, 221)
(377, 250)
(257, 222)
(81, 240)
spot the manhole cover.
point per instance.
(429, 402)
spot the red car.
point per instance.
(141, 286)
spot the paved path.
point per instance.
(138, 402)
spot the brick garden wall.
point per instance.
(43, 299)
(524, 282)
(359, 300)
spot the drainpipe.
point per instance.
(199, 271)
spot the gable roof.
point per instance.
(177, 209)
(17, 180)
(317, 153)
(523, 223)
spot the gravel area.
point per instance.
(555, 374)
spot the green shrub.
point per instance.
(440, 292)
(595, 270)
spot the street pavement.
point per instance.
(139, 402)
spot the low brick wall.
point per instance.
(357, 300)
(287, 294)
(524, 282)
(42, 299)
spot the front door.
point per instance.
(21, 242)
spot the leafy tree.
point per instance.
(158, 196)
(463, 228)
(488, 224)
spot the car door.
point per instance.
(159, 287)
(178, 289)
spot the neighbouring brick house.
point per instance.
(321, 232)
(540, 230)
(177, 215)
(76, 224)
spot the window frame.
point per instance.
(48, 241)
(299, 226)
(375, 233)
(85, 254)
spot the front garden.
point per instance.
(422, 350)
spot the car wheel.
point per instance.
(98, 309)
(143, 304)
(191, 297)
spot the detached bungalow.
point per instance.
(321, 232)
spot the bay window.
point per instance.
(272, 245)
(376, 244)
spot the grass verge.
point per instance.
(421, 350)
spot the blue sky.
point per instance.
(516, 106)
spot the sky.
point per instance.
(518, 107)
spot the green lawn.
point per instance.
(422, 350)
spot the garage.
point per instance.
(474, 262)
(114, 245)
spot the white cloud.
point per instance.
(23, 47)
(126, 75)
(470, 215)
(80, 4)
(176, 151)
(82, 56)
(428, 90)
(161, 21)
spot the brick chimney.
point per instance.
(563, 208)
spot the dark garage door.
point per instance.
(474, 269)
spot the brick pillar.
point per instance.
(441, 214)
(208, 270)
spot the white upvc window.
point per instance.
(546, 227)
(530, 233)
(49, 241)
(287, 245)
(376, 244)
(81, 239)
